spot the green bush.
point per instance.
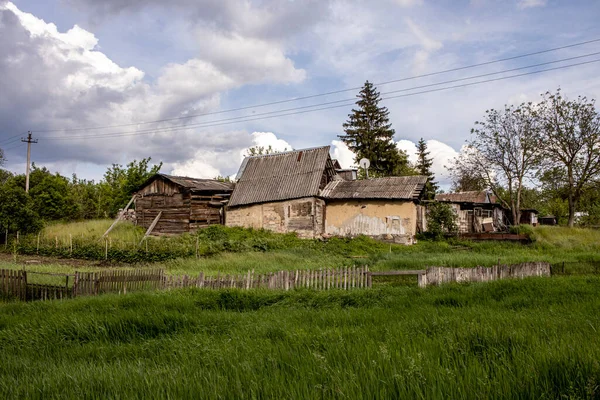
(441, 220)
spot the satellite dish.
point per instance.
(364, 163)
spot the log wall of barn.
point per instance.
(181, 212)
(303, 216)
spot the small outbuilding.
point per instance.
(385, 208)
(280, 192)
(477, 211)
(178, 204)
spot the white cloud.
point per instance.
(441, 154)
(66, 82)
(522, 4)
(199, 167)
(409, 3)
(266, 139)
(342, 153)
(428, 45)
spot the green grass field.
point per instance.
(236, 250)
(535, 338)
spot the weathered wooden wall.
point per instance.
(303, 216)
(384, 219)
(439, 275)
(181, 212)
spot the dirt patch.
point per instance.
(33, 260)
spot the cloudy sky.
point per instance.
(193, 83)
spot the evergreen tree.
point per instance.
(369, 134)
(423, 167)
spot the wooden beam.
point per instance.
(151, 227)
(400, 272)
(120, 216)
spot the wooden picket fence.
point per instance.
(14, 283)
(346, 278)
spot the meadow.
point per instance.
(237, 250)
(532, 338)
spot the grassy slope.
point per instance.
(536, 338)
(237, 251)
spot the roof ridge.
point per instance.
(289, 151)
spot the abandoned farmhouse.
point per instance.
(307, 192)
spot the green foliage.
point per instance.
(17, 209)
(423, 167)
(369, 134)
(441, 220)
(532, 338)
(262, 150)
(571, 144)
(120, 183)
(523, 230)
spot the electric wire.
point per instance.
(326, 93)
(281, 113)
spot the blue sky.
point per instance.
(72, 64)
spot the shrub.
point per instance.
(441, 220)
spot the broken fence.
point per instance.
(15, 284)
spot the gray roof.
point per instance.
(393, 187)
(464, 197)
(195, 184)
(281, 176)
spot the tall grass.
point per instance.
(535, 338)
(237, 250)
(92, 229)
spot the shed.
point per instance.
(529, 216)
(385, 208)
(185, 204)
(279, 192)
(477, 211)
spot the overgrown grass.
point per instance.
(237, 250)
(535, 338)
(91, 230)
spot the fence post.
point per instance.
(23, 288)
(71, 244)
(75, 284)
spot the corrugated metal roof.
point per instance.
(393, 187)
(195, 184)
(280, 176)
(464, 197)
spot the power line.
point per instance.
(255, 118)
(4, 141)
(326, 93)
(342, 103)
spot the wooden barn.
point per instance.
(176, 204)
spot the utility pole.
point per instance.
(29, 140)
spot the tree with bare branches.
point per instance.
(571, 143)
(503, 153)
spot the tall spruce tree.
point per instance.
(369, 134)
(423, 167)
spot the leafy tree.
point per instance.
(441, 219)
(261, 151)
(222, 178)
(571, 144)
(120, 183)
(2, 159)
(86, 196)
(50, 194)
(423, 167)
(369, 134)
(504, 153)
(17, 212)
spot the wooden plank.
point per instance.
(399, 272)
(151, 227)
(121, 214)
